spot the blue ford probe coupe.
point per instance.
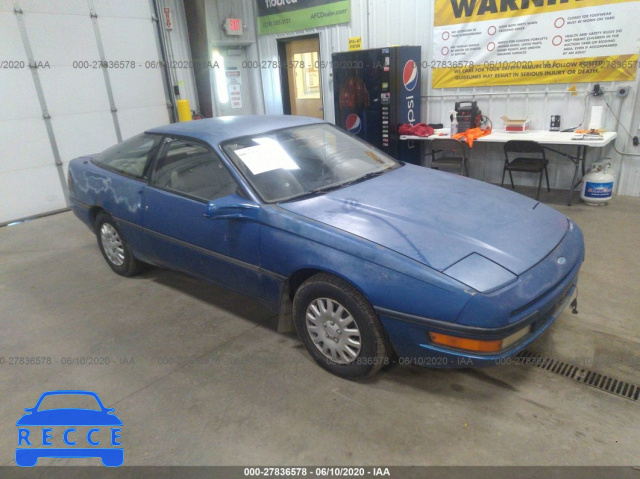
(366, 256)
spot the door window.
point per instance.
(193, 170)
(306, 76)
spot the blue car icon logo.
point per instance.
(79, 432)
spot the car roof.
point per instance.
(216, 130)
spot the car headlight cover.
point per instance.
(480, 273)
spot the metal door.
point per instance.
(230, 82)
(186, 176)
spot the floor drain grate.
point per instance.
(585, 376)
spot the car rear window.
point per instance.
(130, 157)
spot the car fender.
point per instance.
(290, 243)
(96, 189)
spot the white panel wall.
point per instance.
(129, 34)
(60, 33)
(29, 181)
(410, 22)
(76, 97)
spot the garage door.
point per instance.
(76, 76)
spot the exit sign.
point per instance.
(233, 26)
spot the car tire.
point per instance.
(115, 250)
(339, 327)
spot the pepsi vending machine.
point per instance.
(374, 92)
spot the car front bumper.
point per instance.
(521, 324)
(410, 338)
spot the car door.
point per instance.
(186, 176)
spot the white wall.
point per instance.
(61, 32)
(382, 23)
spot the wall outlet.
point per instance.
(555, 123)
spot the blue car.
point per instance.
(32, 446)
(369, 258)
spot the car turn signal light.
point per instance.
(466, 343)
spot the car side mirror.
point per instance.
(232, 207)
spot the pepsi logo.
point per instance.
(353, 123)
(410, 75)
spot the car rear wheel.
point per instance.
(339, 327)
(113, 247)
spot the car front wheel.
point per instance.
(113, 247)
(339, 327)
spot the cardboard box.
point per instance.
(515, 125)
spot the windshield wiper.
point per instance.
(304, 196)
(325, 189)
(368, 176)
(315, 192)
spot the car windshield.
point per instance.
(295, 163)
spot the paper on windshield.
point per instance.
(268, 155)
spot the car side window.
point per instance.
(193, 170)
(129, 157)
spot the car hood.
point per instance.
(439, 218)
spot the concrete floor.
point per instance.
(199, 376)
